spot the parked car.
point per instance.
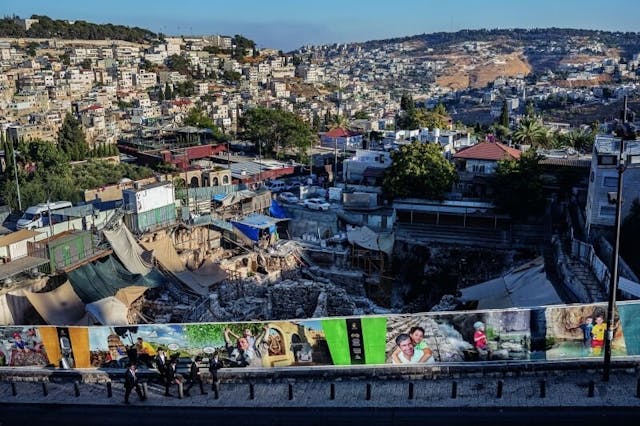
(293, 186)
(275, 185)
(288, 197)
(313, 191)
(316, 204)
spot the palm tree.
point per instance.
(339, 122)
(530, 132)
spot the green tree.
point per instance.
(501, 132)
(231, 77)
(65, 59)
(71, 139)
(361, 115)
(529, 110)
(504, 115)
(440, 109)
(276, 131)
(517, 186)
(419, 170)
(184, 89)
(178, 63)
(530, 132)
(339, 122)
(242, 45)
(406, 102)
(168, 93)
(32, 48)
(197, 118)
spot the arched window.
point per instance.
(225, 180)
(215, 182)
(194, 182)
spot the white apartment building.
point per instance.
(603, 179)
(144, 80)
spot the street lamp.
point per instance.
(15, 171)
(623, 162)
(613, 285)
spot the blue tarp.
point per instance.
(252, 224)
(276, 211)
(252, 233)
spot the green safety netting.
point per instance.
(103, 278)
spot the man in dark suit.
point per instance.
(161, 363)
(130, 382)
(194, 376)
(214, 365)
(170, 377)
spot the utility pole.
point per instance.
(260, 161)
(613, 285)
(15, 171)
(186, 176)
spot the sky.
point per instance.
(289, 24)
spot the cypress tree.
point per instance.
(504, 115)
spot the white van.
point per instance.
(276, 185)
(38, 216)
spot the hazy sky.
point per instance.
(288, 24)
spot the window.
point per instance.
(478, 168)
(610, 181)
(607, 160)
(609, 211)
(225, 180)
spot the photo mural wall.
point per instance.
(546, 333)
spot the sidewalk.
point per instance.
(570, 389)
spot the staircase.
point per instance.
(584, 274)
(302, 255)
(551, 269)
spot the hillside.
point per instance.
(563, 38)
(479, 75)
(50, 28)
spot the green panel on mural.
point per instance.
(335, 331)
(374, 332)
(629, 314)
(344, 344)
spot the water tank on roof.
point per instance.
(436, 132)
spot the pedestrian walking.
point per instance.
(131, 382)
(214, 365)
(162, 361)
(170, 377)
(195, 377)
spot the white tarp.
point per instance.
(366, 238)
(527, 286)
(109, 311)
(60, 306)
(128, 250)
(14, 306)
(165, 253)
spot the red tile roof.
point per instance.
(181, 102)
(93, 107)
(488, 151)
(339, 132)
